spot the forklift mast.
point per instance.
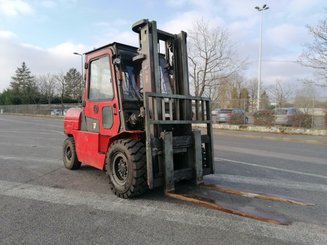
(174, 150)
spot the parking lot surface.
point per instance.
(41, 202)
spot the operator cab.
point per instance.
(114, 88)
(130, 90)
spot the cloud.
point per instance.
(114, 32)
(48, 3)
(115, 22)
(15, 7)
(239, 8)
(283, 68)
(300, 6)
(287, 35)
(55, 59)
(7, 34)
(66, 49)
(196, 3)
(185, 22)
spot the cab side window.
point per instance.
(100, 84)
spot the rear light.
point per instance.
(229, 114)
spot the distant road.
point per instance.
(43, 203)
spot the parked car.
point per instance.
(214, 112)
(58, 112)
(285, 116)
(55, 112)
(225, 115)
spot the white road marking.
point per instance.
(265, 153)
(269, 167)
(166, 210)
(287, 184)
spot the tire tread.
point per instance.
(136, 152)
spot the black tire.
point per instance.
(69, 154)
(125, 167)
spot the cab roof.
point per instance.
(116, 46)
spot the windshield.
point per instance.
(130, 83)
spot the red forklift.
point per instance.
(138, 117)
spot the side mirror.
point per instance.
(116, 61)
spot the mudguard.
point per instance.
(72, 120)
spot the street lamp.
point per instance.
(80, 86)
(264, 7)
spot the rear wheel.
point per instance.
(69, 154)
(125, 167)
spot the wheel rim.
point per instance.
(68, 153)
(120, 168)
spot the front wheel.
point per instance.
(125, 167)
(69, 154)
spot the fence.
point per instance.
(38, 109)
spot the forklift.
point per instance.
(138, 117)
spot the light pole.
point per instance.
(80, 86)
(264, 7)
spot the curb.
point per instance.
(278, 130)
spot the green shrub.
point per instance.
(236, 119)
(264, 118)
(302, 121)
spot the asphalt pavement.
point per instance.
(41, 202)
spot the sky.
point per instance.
(45, 33)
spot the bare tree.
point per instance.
(280, 93)
(305, 97)
(221, 93)
(265, 101)
(252, 86)
(235, 90)
(315, 54)
(61, 85)
(212, 58)
(47, 86)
